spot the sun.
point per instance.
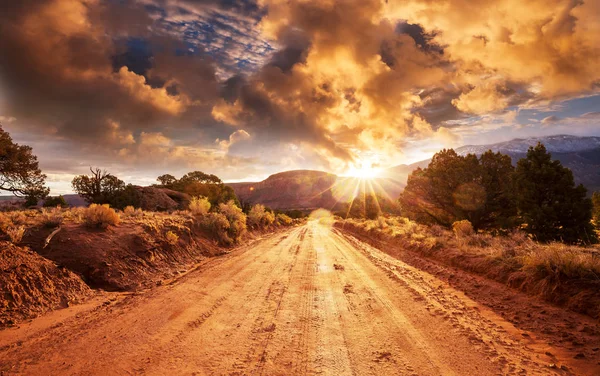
(363, 171)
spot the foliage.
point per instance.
(218, 226)
(455, 187)
(171, 237)
(102, 187)
(236, 219)
(99, 188)
(462, 228)
(549, 203)
(19, 170)
(52, 202)
(198, 183)
(283, 219)
(167, 180)
(260, 218)
(199, 206)
(100, 216)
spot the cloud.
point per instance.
(550, 119)
(147, 82)
(234, 138)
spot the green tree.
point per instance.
(197, 184)
(167, 180)
(454, 188)
(52, 202)
(98, 188)
(19, 170)
(549, 204)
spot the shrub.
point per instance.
(199, 206)
(52, 202)
(258, 217)
(100, 216)
(171, 237)
(236, 218)
(218, 225)
(15, 233)
(52, 217)
(284, 220)
(130, 211)
(462, 228)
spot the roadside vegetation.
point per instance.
(528, 226)
(563, 274)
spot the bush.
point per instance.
(100, 216)
(462, 228)
(52, 217)
(284, 220)
(52, 202)
(218, 225)
(15, 233)
(130, 211)
(199, 206)
(236, 219)
(258, 217)
(171, 237)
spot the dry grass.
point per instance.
(51, 217)
(130, 211)
(100, 216)
(15, 233)
(555, 271)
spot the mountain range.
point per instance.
(306, 189)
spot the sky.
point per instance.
(246, 88)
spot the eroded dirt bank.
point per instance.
(305, 301)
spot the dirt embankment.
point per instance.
(124, 258)
(33, 285)
(581, 295)
(53, 267)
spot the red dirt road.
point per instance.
(304, 302)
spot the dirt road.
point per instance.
(303, 302)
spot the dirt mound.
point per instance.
(154, 199)
(32, 285)
(128, 257)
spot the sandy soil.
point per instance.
(305, 301)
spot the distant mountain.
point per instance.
(580, 154)
(307, 189)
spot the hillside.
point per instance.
(307, 189)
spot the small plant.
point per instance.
(52, 217)
(236, 219)
(199, 206)
(100, 216)
(218, 225)
(284, 220)
(130, 211)
(15, 233)
(259, 217)
(171, 237)
(462, 228)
